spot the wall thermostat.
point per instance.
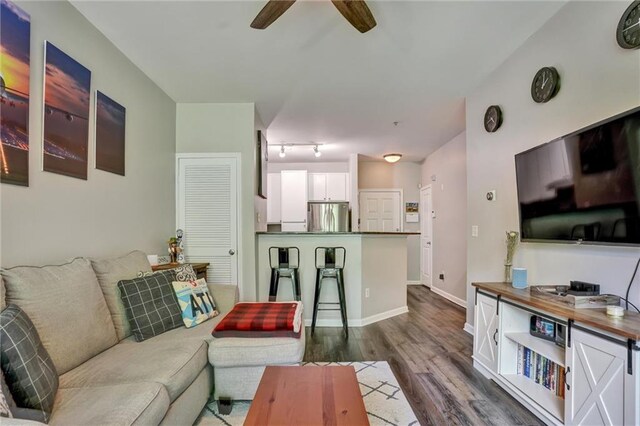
(491, 195)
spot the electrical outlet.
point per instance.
(441, 275)
(366, 293)
(474, 230)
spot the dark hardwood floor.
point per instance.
(430, 356)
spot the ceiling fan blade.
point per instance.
(357, 13)
(270, 12)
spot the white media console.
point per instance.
(597, 365)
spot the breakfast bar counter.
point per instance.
(375, 273)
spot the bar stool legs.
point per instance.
(343, 302)
(273, 286)
(295, 283)
(316, 300)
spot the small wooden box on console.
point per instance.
(600, 358)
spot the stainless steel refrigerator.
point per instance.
(328, 216)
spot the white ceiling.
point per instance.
(314, 78)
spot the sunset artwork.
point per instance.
(67, 86)
(110, 134)
(15, 30)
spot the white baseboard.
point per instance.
(450, 297)
(411, 282)
(468, 328)
(336, 322)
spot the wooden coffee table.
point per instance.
(309, 395)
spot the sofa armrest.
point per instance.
(225, 296)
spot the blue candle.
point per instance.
(519, 278)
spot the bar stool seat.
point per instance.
(284, 262)
(330, 263)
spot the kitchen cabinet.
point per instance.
(328, 187)
(274, 202)
(293, 196)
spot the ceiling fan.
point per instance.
(355, 11)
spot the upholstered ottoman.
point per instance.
(238, 362)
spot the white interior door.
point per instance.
(207, 212)
(426, 236)
(380, 211)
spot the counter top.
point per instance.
(337, 233)
(627, 326)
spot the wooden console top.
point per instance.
(627, 326)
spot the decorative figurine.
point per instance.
(179, 235)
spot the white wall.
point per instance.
(599, 80)
(402, 175)
(227, 128)
(59, 217)
(449, 196)
(311, 167)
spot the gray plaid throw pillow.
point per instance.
(151, 304)
(28, 369)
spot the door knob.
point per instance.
(232, 252)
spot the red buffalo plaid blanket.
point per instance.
(269, 319)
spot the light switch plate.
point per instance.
(474, 230)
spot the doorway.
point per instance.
(426, 236)
(380, 210)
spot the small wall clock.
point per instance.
(628, 32)
(545, 85)
(493, 118)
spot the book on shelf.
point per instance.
(541, 370)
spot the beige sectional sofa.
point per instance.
(105, 376)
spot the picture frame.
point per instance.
(110, 136)
(262, 156)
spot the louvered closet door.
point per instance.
(207, 212)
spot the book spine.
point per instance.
(520, 360)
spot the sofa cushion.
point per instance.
(196, 304)
(66, 305)
(129, 404)
(151, 304)
(200, 332)
(244, 352)
(30, 373)
(174, 364)
(109, 272)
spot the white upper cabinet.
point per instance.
(317, 186)
(328, 187)
(274, 202)
(293, 195)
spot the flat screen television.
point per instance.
(583, 187)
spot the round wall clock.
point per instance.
(628, 33)
(545, 85)
(492, 118)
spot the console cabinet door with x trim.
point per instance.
(596, 378)
(485, 349)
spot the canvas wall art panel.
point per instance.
(110, 134)
(15, 36)
(67, 86)
(262, 157)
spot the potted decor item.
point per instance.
(512, 244)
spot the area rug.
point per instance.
(383, 399)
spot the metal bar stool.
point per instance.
(330, 264)
(284, 262)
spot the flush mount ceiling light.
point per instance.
(392, 158)
(282, 154)
(316, 152)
